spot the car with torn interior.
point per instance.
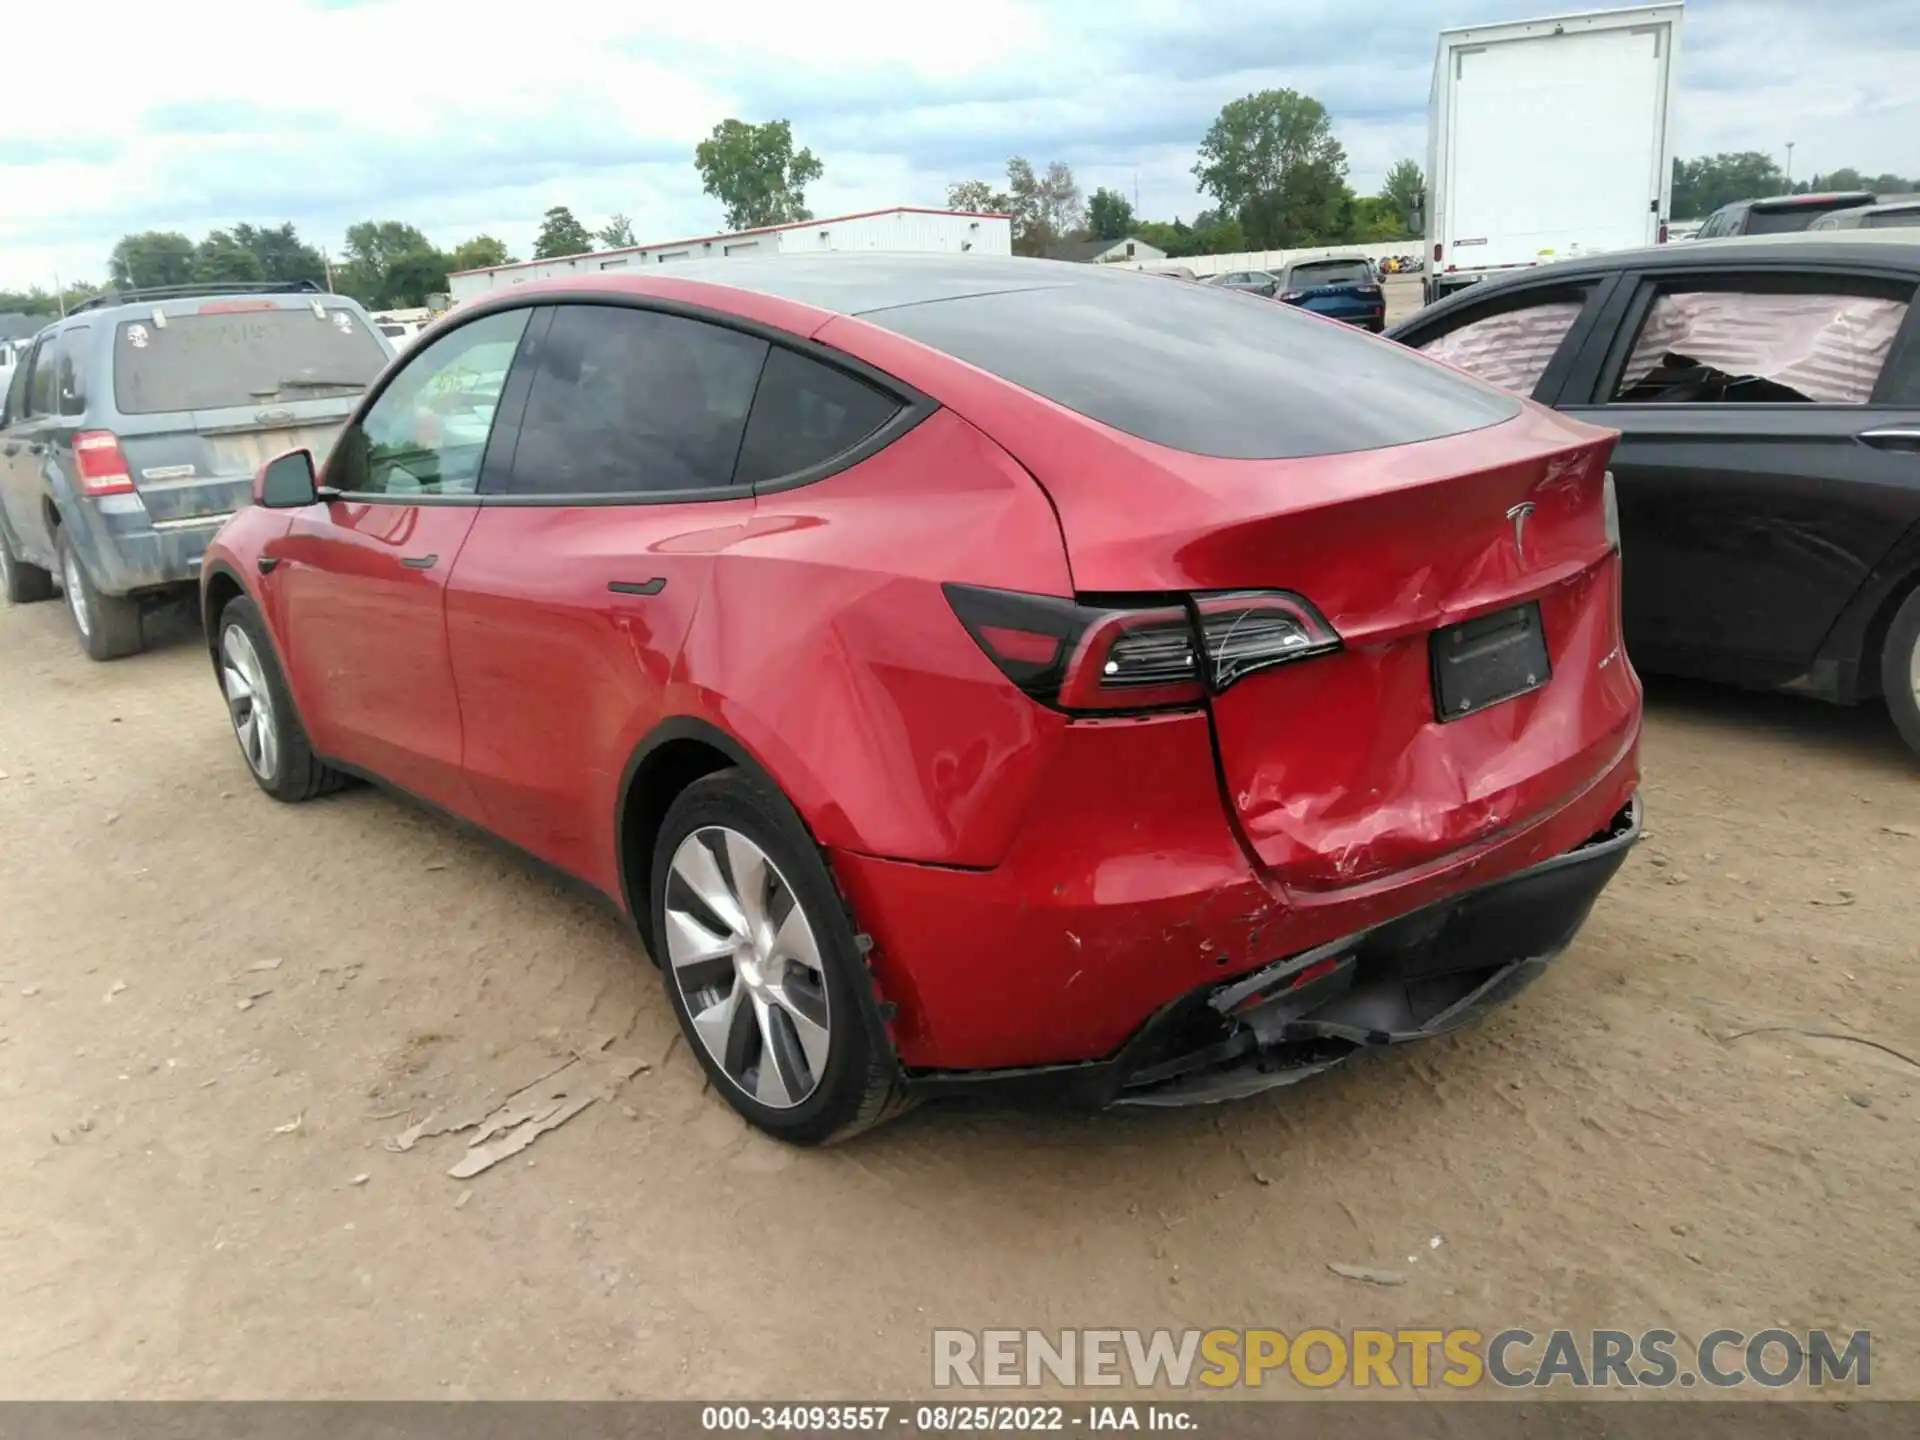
(970, 675)
(1767, 396)
(134, 426)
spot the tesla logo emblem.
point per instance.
(1518, 515)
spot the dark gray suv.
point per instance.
(132, 429)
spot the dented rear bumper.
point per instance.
(1410, 978)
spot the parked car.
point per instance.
(1341, 289)
(969, 673)
(132, 431)
(1894, 213)
(1254, 282)
(1767, 395)
(1778, 214)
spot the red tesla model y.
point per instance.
(969, 674)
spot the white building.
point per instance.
(1130, 251)
(903, 228)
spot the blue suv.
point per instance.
(131, 431)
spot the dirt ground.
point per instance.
(183, 1138)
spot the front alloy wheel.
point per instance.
(249, 702)
(748, 968)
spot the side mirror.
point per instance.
(286, 482)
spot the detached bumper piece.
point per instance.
(1415, 977)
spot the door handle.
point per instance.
(34, 447)
(638, 587)
(1893, 437)
(419, 562)
(9, 449)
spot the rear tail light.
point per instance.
(102, 464)
(1662, 234)
(1092, 657)
(1436, 252)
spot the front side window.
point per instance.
(17, 387)
(804, 414)
(427, 433)
(636, 402)
(1720, 346)
(71, 378)
(1511, 349)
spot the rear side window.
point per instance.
(634, 402)
(1199, 369)
(17, 389)
(70, 379)
(1892, 219)
(42, 389)
(804, 414)
(1329, 272)
(1784, 221)
(227, 356)
(1721, 346)
(1511, 349)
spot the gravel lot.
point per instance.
(214, 1009)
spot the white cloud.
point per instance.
(329, 111)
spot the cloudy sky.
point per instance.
(464, 119)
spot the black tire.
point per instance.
(859, 1085)
(108, 625)
(23, 584)
(294, 773)
(1900, 670)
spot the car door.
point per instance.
(574, 591)
(359, 579)
(1761, 472)
(23, 452)
(1519, 337)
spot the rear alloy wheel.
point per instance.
(109, 625)
(1900, 670)
(272, 740)
(761, 966)
(21, 583)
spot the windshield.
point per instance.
(212, 361)
(1787, 220)
(1329, 272)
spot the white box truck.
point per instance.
(1547, 139)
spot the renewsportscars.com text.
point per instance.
(1401, 1358)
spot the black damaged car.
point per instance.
(1767, 395)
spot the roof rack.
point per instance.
(187, 292)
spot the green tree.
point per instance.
(1216, 234)
(1404, 190)
(1369, 219)
(1109, 215)
(561, 234)
(980, 197)
(1046, 205)
(284, 257)
(387, 263)
(617, 234)
(1892, 185)
(756, 173)
(1271, 159)
(1173, 237)
(151, 257)
(222, 259)
(35, 300)
(413, 276)
(1702, 185)
(1845, 178)
(482, 252)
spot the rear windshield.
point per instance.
(1202, 369)
(1788, 218)
(1329, 272)
(244, 357)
